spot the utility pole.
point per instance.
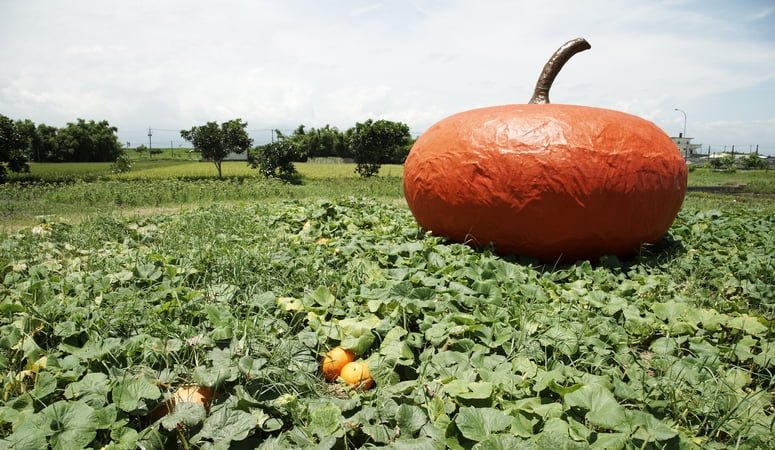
(172, 151)
(150, 144)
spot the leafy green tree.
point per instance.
(13, 146)
(276, 160)
(40, 140)
(44, 145)
(327, 141)
(90, 141)
(28, 132)
(216, 142)
(375, 143)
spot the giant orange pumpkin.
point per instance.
(555, 182)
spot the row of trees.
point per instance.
(370, 144)
(80, 141)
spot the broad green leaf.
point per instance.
(648, 428)
(409, 419)
(29, 435)
(73, 424)
(124, 438)
(477, 424)
(358, 344)
(380, 433)
(747, 324)
(603, 409)
(610, 441)
(95, 383)
(248, 365)
(185, 413)
(214, 376)
(477, 390)
(128, 393)
(225, 425)
(670, 310)
(105, 417)
(421, 443)
(322, 297)
(357, 327)
(17, 410)
(503, 442)
(45, 384)
(766, 357)
(325, 419)
(555, 435)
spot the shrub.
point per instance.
(753, 161)
(725, 162)
(121, 164)
(275, 160)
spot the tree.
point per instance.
(216, 142)
(374, 143)
(28, 132)
(13, 146)
(276, 160)
(90, 141)
(44, 145)
(321, 142)
(327, 141)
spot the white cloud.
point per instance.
(178, 63)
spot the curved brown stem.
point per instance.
(553, 66)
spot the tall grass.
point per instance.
(20, 203)
(180, 168)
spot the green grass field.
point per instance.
(120, 290)
(180, 168)
(72, 191)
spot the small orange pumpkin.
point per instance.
(357, 374)
(555, 182)
(334, 361)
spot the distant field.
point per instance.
(75, 190)
(180, 168)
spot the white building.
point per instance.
(685, 145)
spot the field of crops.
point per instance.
(104, 319)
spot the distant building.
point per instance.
(685, 145)
(236, 156)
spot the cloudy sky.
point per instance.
(173, 64)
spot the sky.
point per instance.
(170, 65)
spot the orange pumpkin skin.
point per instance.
(550, 181)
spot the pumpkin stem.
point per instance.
(553, 67)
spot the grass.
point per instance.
(756, 181)
(75, 190)
(180, 168)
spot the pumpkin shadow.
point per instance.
(665, 250)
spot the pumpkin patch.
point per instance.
(550, 181)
